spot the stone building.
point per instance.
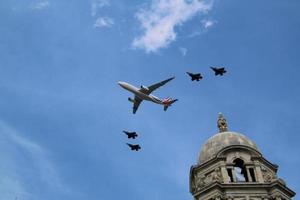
(230, 166)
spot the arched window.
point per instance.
(240, 171)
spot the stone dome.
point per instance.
(221, 140)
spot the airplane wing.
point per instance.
(136, 104)
(125, 132)
(155, 86)
(130, 145)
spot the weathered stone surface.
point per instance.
(221, 140)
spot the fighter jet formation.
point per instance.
(132, 135)
(144, 93)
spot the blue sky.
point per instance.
(62, 112)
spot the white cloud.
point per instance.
(159, 21)
(208, 23)
(98, 4)
(103, 22)
(183, 51)
(40, 5)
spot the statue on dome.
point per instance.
(222, 124)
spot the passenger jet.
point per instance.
(144, 93)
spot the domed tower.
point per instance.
(230, 166)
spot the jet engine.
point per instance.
(144, 88)
(130, 99)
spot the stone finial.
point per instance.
(222, 124)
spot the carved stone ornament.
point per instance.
(218, 197)
(276, 197)
(268, 176)
(222, 124)
(216, 175)
(199, 181)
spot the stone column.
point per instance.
(224, 172)
(248, 174)
(258, 173)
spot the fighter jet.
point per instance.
(144, 93)
(134, 146)
(132, 135)
(219, 71)
(195, 76)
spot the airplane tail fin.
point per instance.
(168, 102)
(166, 108)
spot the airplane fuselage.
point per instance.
(136, 91)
